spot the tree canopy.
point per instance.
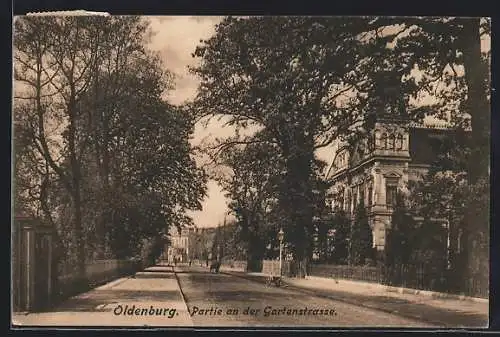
(90, 115)
(302, 82)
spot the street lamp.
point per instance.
(331, 235)
(281, 235)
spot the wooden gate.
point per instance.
(19, 275)
(32, 265)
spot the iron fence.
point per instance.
(417, 277)
(235, 264)
(358, 273)
(434, 279)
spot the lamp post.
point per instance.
(331, 236)
(281, 235)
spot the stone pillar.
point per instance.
(381, 225)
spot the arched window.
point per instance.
(383, 141)
(399, 142)
(354, 198)
(378, 143)
(370, 194)
(348, 202)
(339, 199)
(392, 139)
(362, 193)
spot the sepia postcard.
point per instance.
(250, 171)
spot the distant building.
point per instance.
(185, 245)
(178, 249)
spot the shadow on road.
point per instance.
(204, 273)
(389, 304)
(405, 308)
(156, 275)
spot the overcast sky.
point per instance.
(176, 38)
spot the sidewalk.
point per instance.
(148, 298)
(446, 312)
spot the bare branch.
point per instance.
(334, 135)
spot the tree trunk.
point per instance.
(101, 121)
(78, 239)
(98, 148)
(476, 72)
(477, 103)
(296, 202)
(107, 221)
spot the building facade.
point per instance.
(382, 164)
(189, 243)
(391, 152)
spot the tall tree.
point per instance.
(323, 222)
(250, 175)
(361, 237)
(53, 58)
(342, 227)
(400, 244)
(122, 65)
(284, 75)
(318, 82)
(89, 97)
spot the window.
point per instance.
(362, 193)
(370, 192)
(354, 198)
(392, 139)
(399, 142)
(391, 190)
(383, 141)
(340, 199)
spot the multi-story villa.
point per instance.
(392, 153)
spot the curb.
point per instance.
(402, 290)
(361, 304)
(183, 296)
(435, 295)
